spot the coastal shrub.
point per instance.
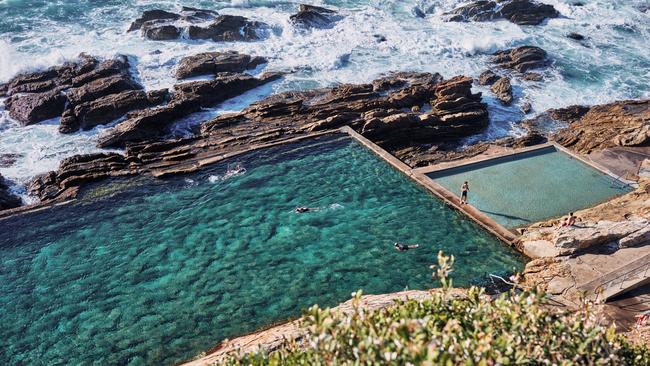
(512, 329)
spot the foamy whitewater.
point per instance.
(612, 63)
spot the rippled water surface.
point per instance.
(154, 272)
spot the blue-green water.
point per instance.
(526, 188)
(154, 272)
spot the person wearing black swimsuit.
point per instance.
(404, 247)
(463, 193)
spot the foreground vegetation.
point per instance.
(512, 329)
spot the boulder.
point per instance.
(487, 77)
(216, 62)
(625, 123)
(223, 86)
(153, 15)
(575, 36)
(108, 108)
(101, 87)
(7, 199)
(310, 16)
(157, 30)
(522, 12)
(503, 90)
(521, 59)
(38, 96)
(228, 28)
(36, 107)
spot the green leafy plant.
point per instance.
(475, 329)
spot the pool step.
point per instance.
(619, 281)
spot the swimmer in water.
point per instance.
(306, 209)
(404, 247)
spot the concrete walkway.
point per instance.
(628, 277)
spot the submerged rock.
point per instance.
(310, 16)
(503, 90)
(575, 36)
(522, 12)
(7, 199)
(216, 62)
(625, 123)
(228, 28)
(521, 59)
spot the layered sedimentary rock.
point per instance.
(522, 12)
(310, 16)
(625, 123)
(84, 93)
(503, 90)
(187, 98)
(521, 59)
(162, 25)
(7, 199)
(216, 62)
(377, 110)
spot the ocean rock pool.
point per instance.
(524, 188)
(146, 271)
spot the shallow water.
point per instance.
(530, 187)
(612, 63)
(154, 272)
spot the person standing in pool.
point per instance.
(463, 193)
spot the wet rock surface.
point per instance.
(7, 199)
(625, 123)
(388, 111)
(310, 16)
(161, 25)
(187, 98)
(61, 90)
(522, 12)
(503, 90)
(216, 62)
(521, 59)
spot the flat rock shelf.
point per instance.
(154, 271)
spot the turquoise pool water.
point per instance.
(525, 188)
(155, 271)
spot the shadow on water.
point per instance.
(511, 217)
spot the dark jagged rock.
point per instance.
(569, 114)
(228, 28)
(190, 14)
(376, 110)
(188, 98)
(503, 90)
(533, 76)
(576, 36)
(108, 108)
(38, 96)
(101, 87)
(148, 124)
(216, 62)
(521, 59)
(158, 30)
(224, 86)
(522, 12)
(7, 199)
(8, 159)
(36, 107)
(487, 77)
(310, 16)
(153, 15)
(625, 123)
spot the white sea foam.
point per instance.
(612, 63)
